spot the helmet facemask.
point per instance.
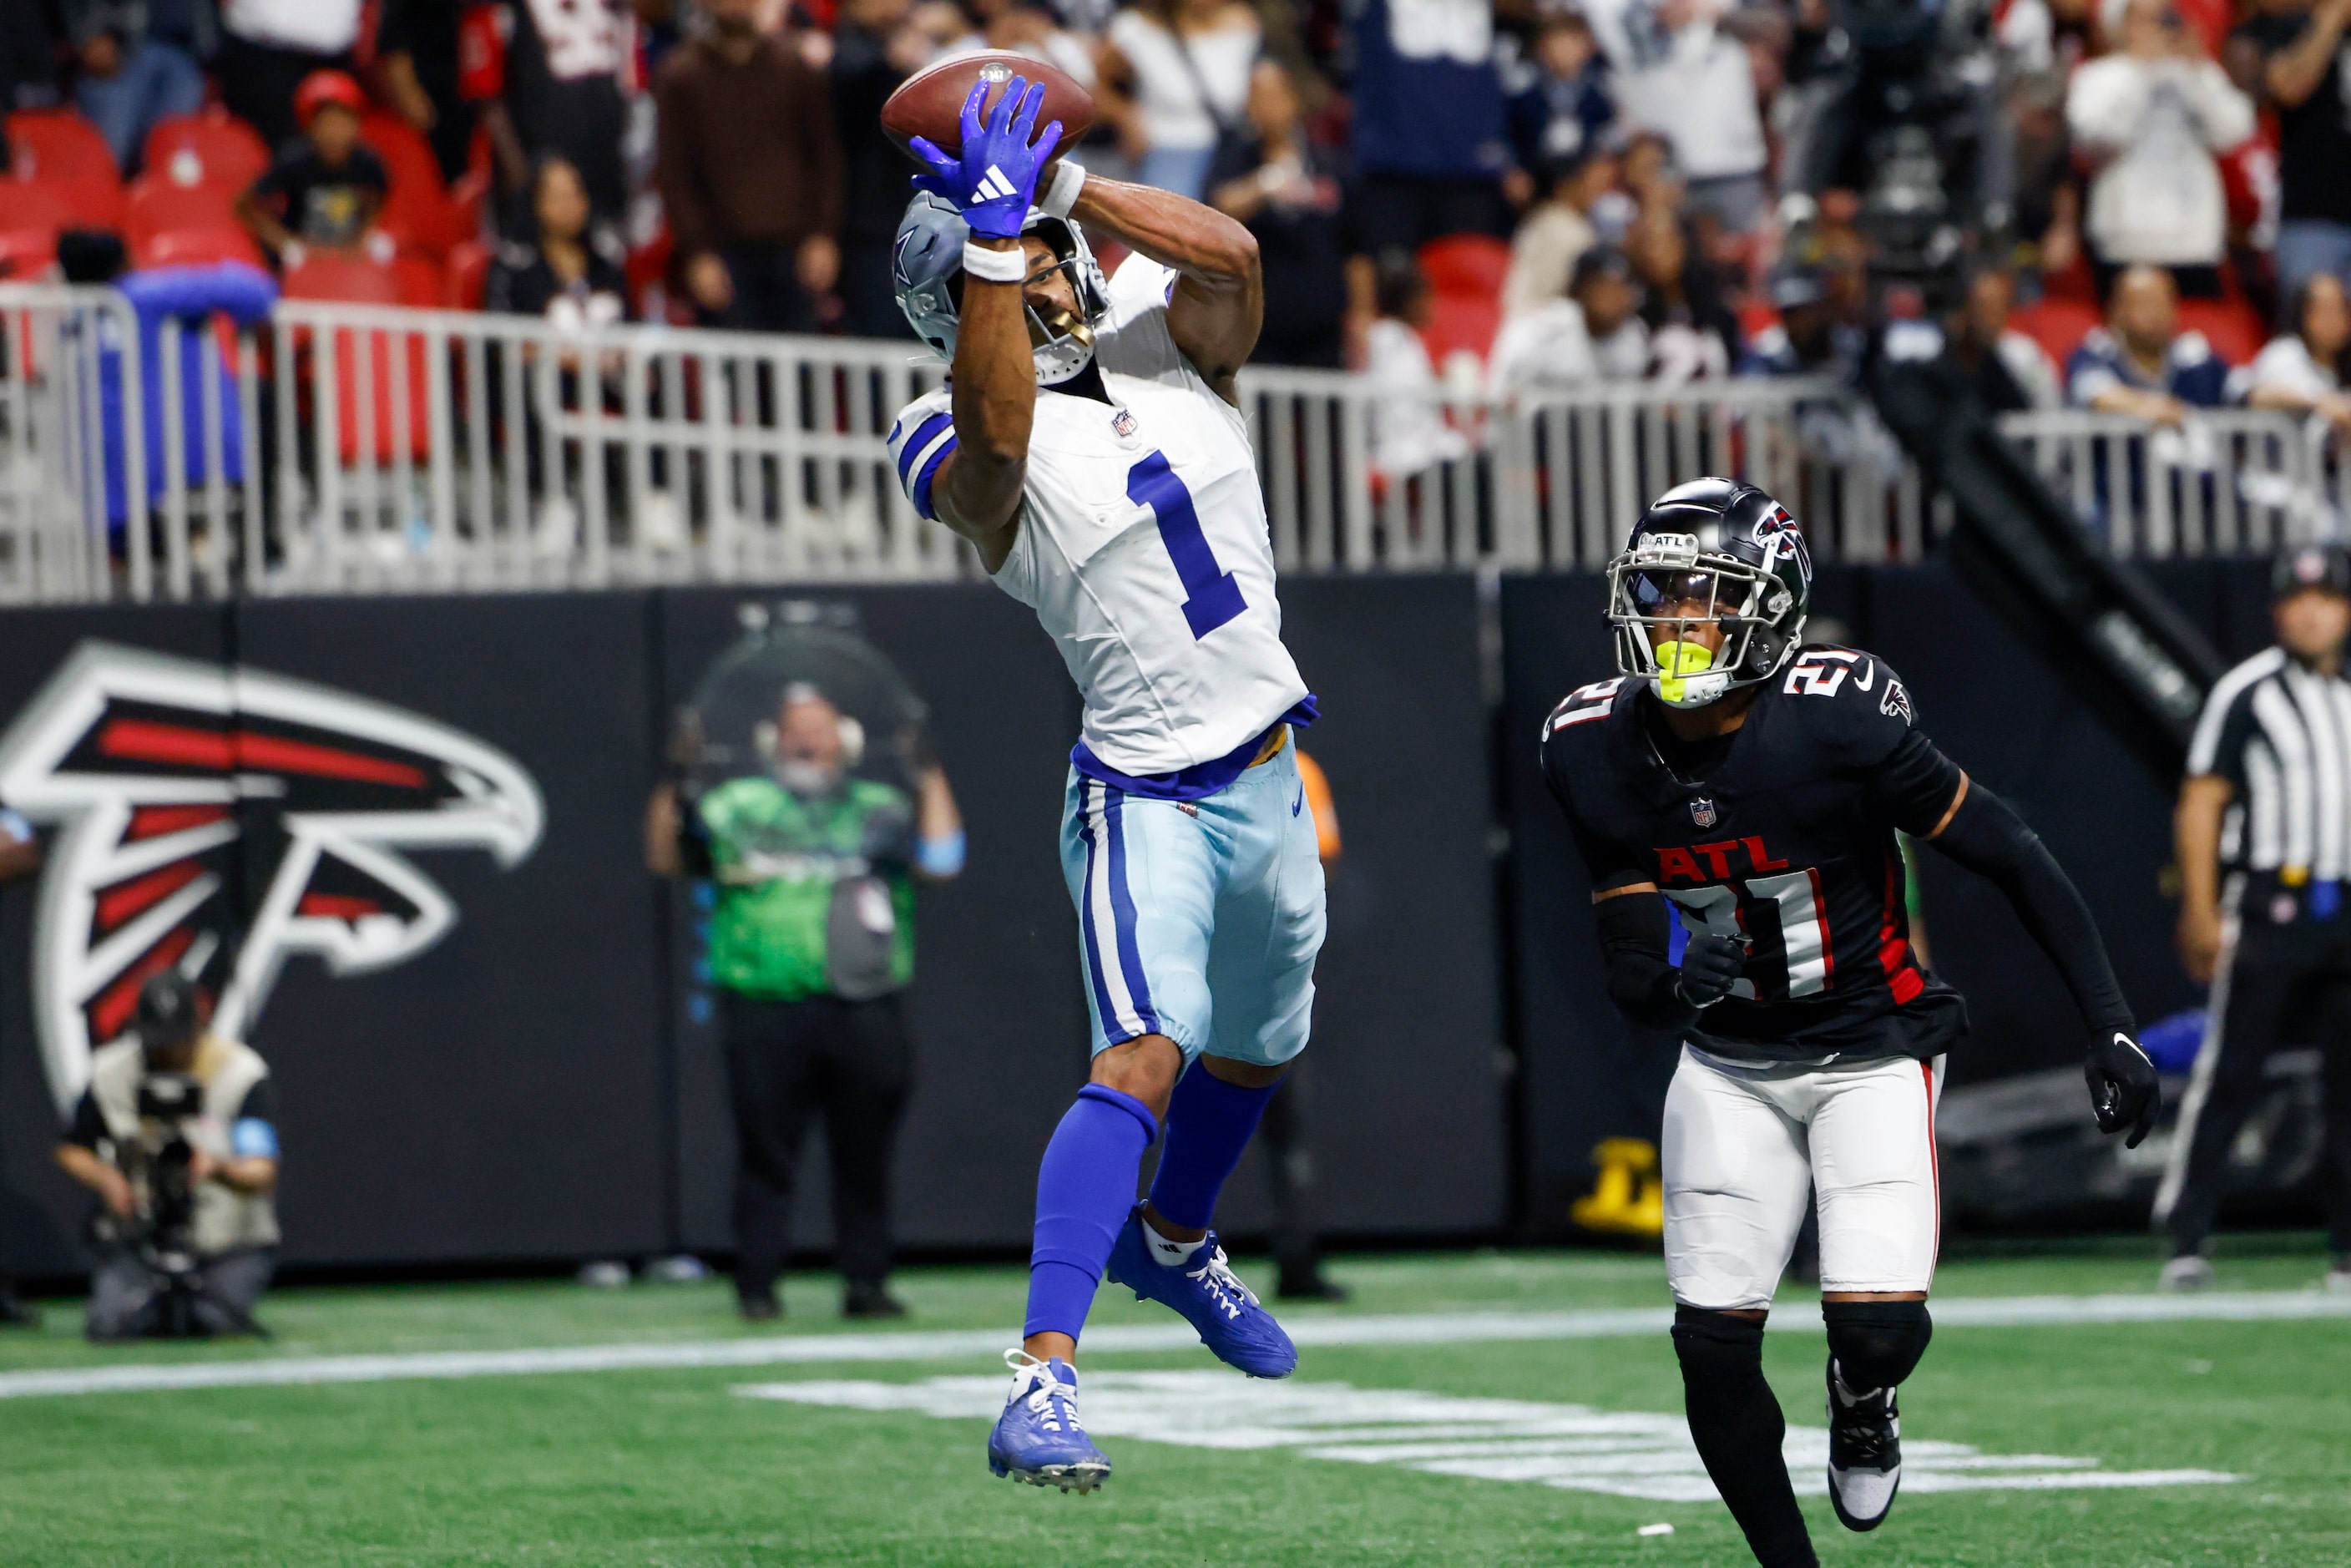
(1062, 340)
(926, 270)
(1656, 592)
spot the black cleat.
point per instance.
(1310, 1286)
(871, 1301)
(1865, 1454)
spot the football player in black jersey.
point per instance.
(1753, 787)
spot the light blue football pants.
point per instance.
(1198, 920)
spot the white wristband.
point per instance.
(1069, 179)
(994, 266)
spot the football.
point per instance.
(930, 102)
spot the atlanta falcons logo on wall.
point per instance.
(222, 820)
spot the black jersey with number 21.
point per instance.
(1782, 833)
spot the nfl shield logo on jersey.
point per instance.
(1122, 423)
(1702, 813)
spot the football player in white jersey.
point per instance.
(1089, 445)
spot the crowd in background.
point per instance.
(1487, 195)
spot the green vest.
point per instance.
(813, 897)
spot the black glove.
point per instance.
(1709, 964)
(2122, 1087)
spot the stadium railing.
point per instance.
(380, 449)
(2225, 481)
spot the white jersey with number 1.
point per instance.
(1142, 544)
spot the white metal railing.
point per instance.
(1552, 481)
(362, 449)
(2224, 481)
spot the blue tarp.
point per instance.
(187, 296)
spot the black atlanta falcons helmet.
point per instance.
(1723, 546)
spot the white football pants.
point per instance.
(1746, 1143)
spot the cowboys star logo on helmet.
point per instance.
(222, 819)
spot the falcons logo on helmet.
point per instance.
(1780, 534)
(222, 819)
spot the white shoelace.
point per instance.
(1216, 1273)
(1034, 1380)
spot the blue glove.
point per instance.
(995, 182)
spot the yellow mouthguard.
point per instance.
(1675, 660)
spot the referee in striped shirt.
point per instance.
(2263, 832)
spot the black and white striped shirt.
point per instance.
(2281, 734)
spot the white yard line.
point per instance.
(1643, 1454)
(1311, 1332)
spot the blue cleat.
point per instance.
(1039, 1438)
(1212, 1298)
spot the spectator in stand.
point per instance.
(2301, 372)
(30, 34)
(2294, 50)
(324, 190)
(1816, 333)
(1276, 181)
(1025, 27)
(876, 46)
(1693, 335)
(569, 72)
(1176, 81)
(570, 276)
(2048, 197)
(1565, 112)
(270, 47)
(750, 174)
(1557, 231)
(1408, 432)
(419, 45)
(2007, 370)
(2141, 362)
(1679, 74)
(1594, 334)
(1429, 147)
(138, 65)
(2153, 117)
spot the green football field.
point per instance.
(1490, 1408)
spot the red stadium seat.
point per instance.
(1465, 275)
(2232, 325)
(197, 248)
(79, 203)
(210, 148)
(421, 222)
(60, 144)
(468, 276)
(33, 207)
(26, 256)
(350, 279)
(161, 205)
(330, 276)
(1456, 323)
(421, 283)
(418, 211)
(406, 155)
(1466, 266)
(2057, 324)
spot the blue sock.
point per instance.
(1085, 1190)
(1209, 1123)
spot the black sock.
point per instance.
(1738, 1428)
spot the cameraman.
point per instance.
(811, 944)
(174, 1134)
